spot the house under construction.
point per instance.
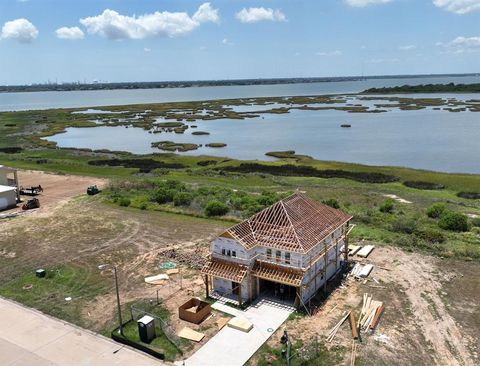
(288, 250)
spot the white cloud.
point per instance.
(461, 45)
(458, 6)
(146, 49)
(112, 25)
(20, 30)
(330, 53)
(206, 13)
(253, 15)
(383, 60)
(227, 42)
(71, 33)
(407, 47)
(365, 3)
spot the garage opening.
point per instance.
(277, 291)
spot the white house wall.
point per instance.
(224, 287)
(7, 199)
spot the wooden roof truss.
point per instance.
(226, 270)
(276, 273)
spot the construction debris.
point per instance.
(337, 326)
(353, 326)
(365, 251)
(190, 334)
(172, 271)
(361, 270)
(157, 280)
(221, 322)
(370, 313)
(190, 259)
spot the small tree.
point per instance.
(436, 210)
(182, 199)
(332, 202)
(216, 208)
(453, 221)
(388, 206)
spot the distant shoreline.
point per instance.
(205, 83)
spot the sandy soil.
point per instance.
(424, 323)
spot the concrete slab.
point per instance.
(231, 347)
(28, 337)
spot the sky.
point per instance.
(158, 40)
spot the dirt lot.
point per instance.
(57, 189)
(431, 305)
(431, 312)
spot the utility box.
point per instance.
(40, 273)
(146, 329)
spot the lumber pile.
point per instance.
(365, 251)
(361, 270)
(337, 326)
(370, 313)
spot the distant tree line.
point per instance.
(427, 88)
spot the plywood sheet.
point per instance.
(172, 271)
(157, 280)
(353, 249)
(241, 324)
(365, 251)
(191, 334)
(221, 322)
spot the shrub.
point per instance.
(469, 195)
(404, 225)
(388, 206)
(216, 208)
(453, 221)
(476, 221)
(436, 210)
(423, 185)
(431, 236)
(124, 202)
(162, 195)
(182, 199)
(332, 202)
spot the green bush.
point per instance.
(124, 202)
(332, 202)
(163, 195)
(453, 221)
(436, 210)
(404, 225)
(431, 236)
(182, 199)
(216, 208)
(388, 206)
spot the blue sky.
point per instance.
(150, 40)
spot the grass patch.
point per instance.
(48, 294)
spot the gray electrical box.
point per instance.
(146, 329)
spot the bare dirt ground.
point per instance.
(431, 312)
(57, 189)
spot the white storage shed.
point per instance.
(8, 197)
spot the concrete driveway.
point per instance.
(28, 337)
(231, 347)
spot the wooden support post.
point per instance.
(325, 257)
(336, 255)
(206, 285)
(346, 244)
(239, 294)
(353, 325)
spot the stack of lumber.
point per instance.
(370, 314)
(361, 270)
(337, 326)
(365, 251)
(353, 249)
(157, 280)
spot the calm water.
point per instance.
(46, 100)
(425, 139)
